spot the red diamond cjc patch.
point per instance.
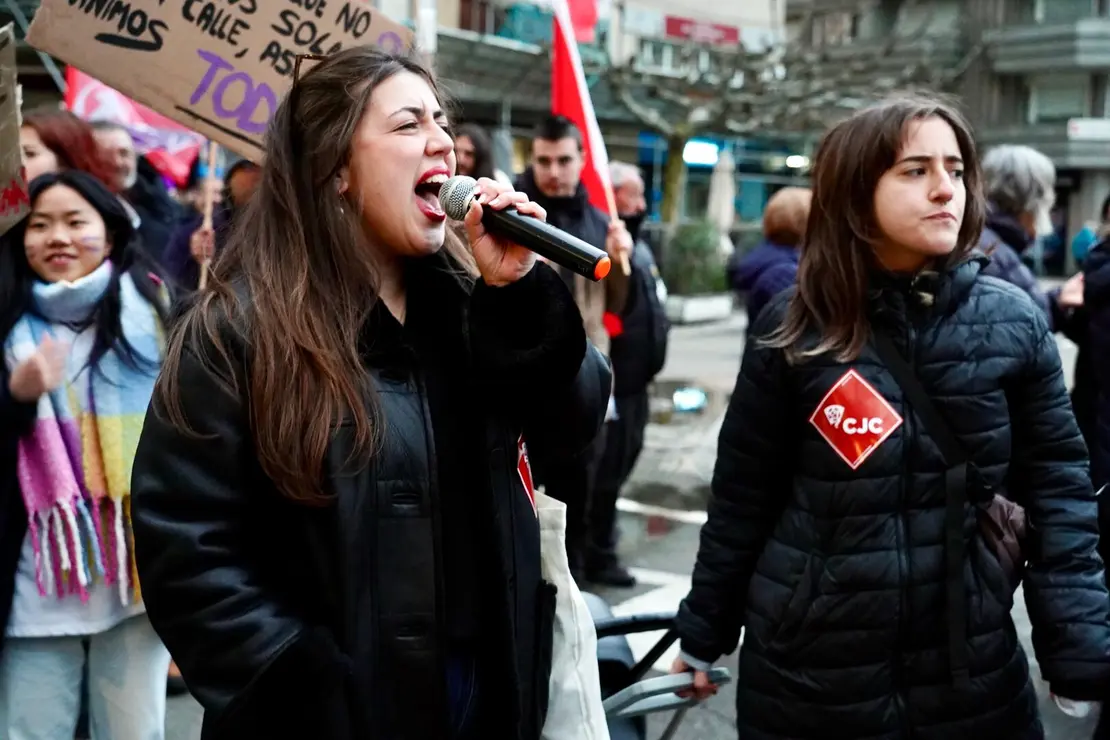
(854, 419)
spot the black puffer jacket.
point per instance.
(1005, 240)
(1096, 299)
(837, 574)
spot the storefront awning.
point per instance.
(482, 68)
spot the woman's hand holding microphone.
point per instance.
(499, 261)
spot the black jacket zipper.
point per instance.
(501, 467)
(908, 436)
(360, 562)
(437, 526)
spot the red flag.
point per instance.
(571, 98)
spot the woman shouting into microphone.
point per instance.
(332, 517)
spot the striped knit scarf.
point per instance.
(75, 465)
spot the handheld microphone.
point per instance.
(538, 236)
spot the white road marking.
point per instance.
(670, 589)
(683, 516)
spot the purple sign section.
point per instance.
(237, 91)
(391, 42)
(219, 67)
(240, 101)
(241, 107)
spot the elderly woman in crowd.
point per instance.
(1020, 187)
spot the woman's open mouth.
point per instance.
(426, 193)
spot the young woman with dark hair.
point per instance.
(332, 514)
(82, 319)
(879, 409)
(474, 149)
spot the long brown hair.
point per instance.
(307, 267)
(72, 141)
(837, 252)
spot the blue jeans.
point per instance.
(41, 681)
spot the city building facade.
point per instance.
(1039, 75)
(493, 58)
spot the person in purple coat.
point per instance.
(190, 242)
(770, 268)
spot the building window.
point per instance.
(472, 16)
(1058, 97)
(705, 62)
(1064, 11)
(835, 29)
(666, 59)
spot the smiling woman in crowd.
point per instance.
(81, 321)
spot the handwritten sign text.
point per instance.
(219, 67)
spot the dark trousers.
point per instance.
(624, 441)
(572, 482)
(464, 697)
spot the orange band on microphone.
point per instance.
(601, 269)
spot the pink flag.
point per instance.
(583, 16)
(169, 146)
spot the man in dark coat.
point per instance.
(1096, 300)
(555, 182)
(141, 186)
(638, 350)
(1097, 303)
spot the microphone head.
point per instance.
(455, 195)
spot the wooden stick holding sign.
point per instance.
(225, 86)
(209, 203)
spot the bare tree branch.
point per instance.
(785, 87)
(649, 116)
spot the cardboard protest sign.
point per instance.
(217, 66)
(13, 188)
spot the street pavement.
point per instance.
(661, 514)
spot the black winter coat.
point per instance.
(322, 622)
(17, 418)
(1004, 240)
(1096, 300)
(837, 574)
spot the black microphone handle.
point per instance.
(547, 241)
